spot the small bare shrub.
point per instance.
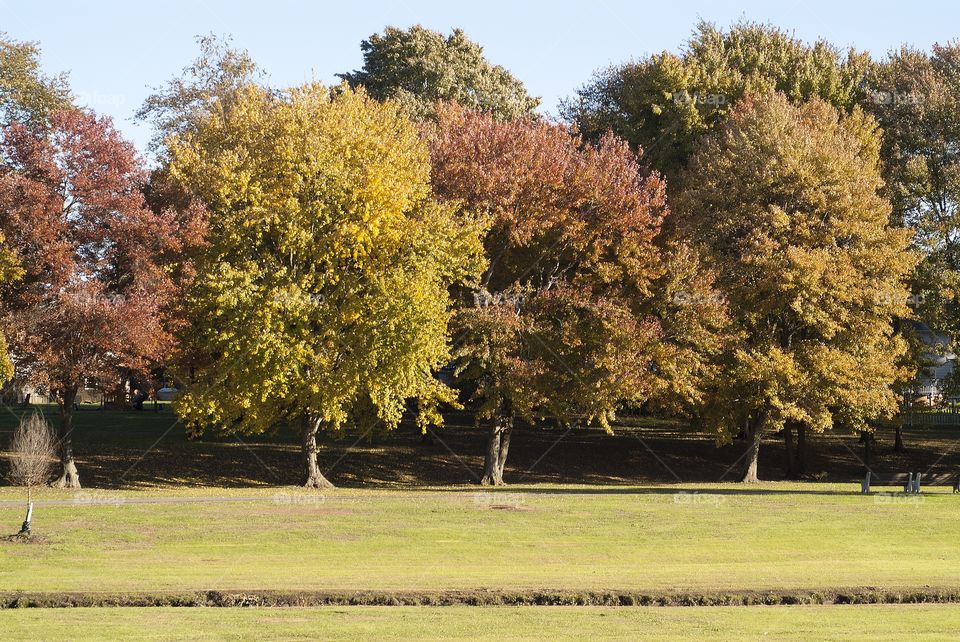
(33, 451)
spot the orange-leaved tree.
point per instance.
(566, 323)
(92, 295)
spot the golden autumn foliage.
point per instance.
(784, 200)
(10, 271)
(325, 281)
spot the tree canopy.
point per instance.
(216, 75)
(324, 285)
(418, 66)
(784, 201)
(666, 102)
(26, 93)
(915, 97)
(562, 324)
(92, 294)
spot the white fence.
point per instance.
(941, 418)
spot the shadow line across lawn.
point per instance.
(344, 493)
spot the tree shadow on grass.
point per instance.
(130, 450)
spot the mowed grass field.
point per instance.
(801, 623)
(162, 515)
(659, 539)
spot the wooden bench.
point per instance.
(910, 482)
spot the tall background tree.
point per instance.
(562, 325)
(181, 105)
(666, 102)
(323, 288)
(785, 202)
(27, 94)
(91, 297)
(418, 66)
(915, 97)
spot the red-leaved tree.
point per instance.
(92, 298)
(563, 325)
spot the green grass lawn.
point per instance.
(215, 515)
(653, 538)
(913, 622)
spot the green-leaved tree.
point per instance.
(27, 94)
(915, 97)
(418, 67)
(666, 102)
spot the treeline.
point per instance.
(743, 234)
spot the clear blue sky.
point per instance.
(115, 51)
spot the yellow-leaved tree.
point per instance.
(784, 202)
(10, 272)
(323, 285)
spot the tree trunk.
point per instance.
(744, 434)
(314, 478)
(69, 477)
(801, 449)
(898, 440)
(497, 447)
(25, 528)
(791, 467)
(505, 442)
(753, 454)
(867, 439)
